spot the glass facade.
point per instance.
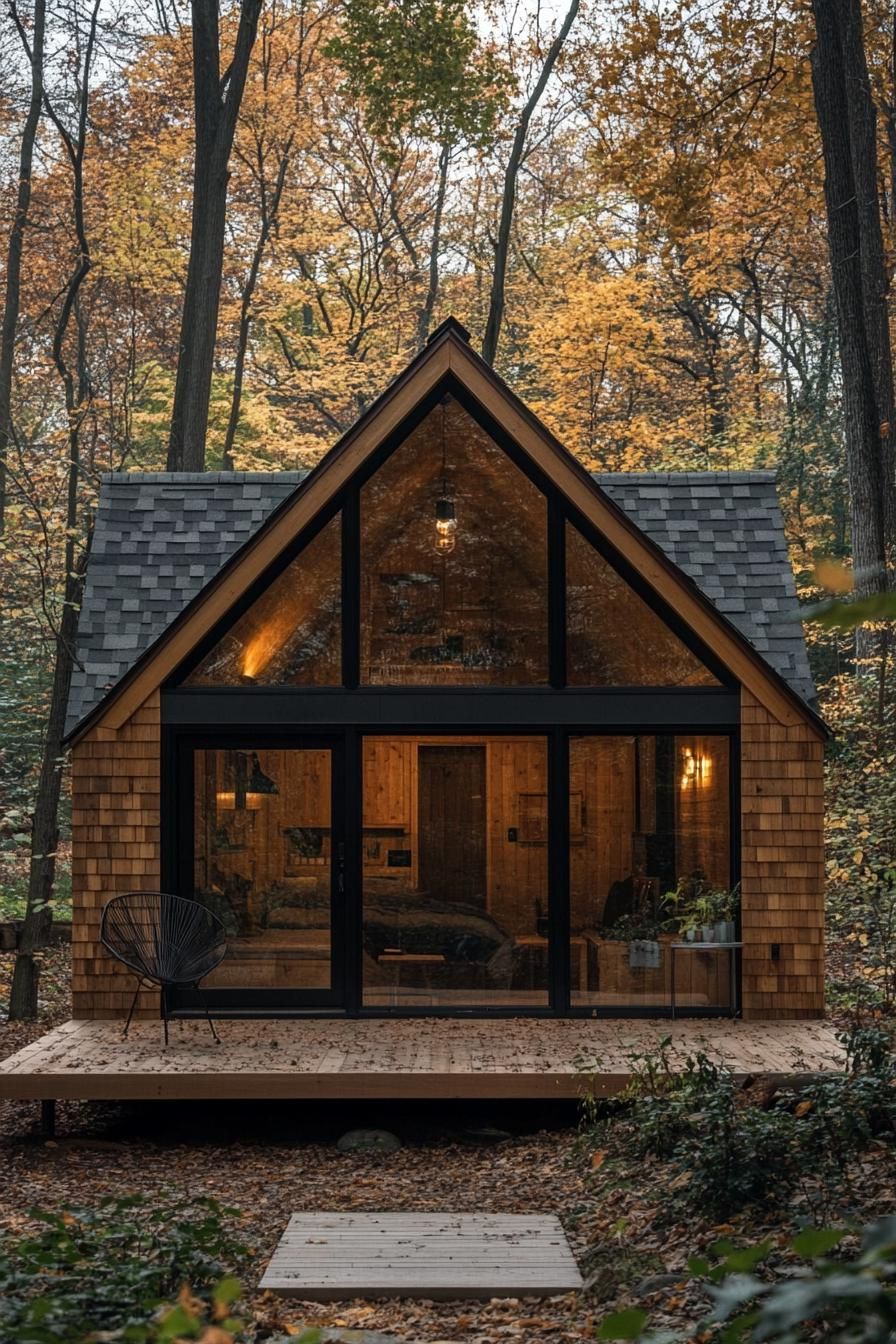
(455, 872)
(448, 902)
(453, 563)
(613, 637)
(650, 863)
(262, 862)
(292, 634)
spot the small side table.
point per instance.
(731, 948)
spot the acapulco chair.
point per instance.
(166, 940)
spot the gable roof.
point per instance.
(111, 685)
(161, 536)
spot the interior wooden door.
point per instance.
(452, 821)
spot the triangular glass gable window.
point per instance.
(454, 586)
(292, 634)
(613, 637)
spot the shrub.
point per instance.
(841, 1301)
(112, 1267)
(725, 1153)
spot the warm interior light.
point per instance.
(225, 801)
(446, 526)
(696, 769)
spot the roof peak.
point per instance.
(451, 325)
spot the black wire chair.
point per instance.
(166, 940)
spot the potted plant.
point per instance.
(704, 909)
(726, 907)
(682, 907)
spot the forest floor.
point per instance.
(266, 1162)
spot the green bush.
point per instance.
(839, 1300)
(113, 1267)
(726, 1154)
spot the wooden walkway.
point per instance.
(410, 1058)
(331, 1257)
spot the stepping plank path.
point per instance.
(338, 1256)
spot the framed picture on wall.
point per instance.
(533, 814)
(306, 846)
(533, 826)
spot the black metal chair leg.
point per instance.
(208, 1016)
(164, 1015)
(133, 1006)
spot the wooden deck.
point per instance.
(329, 1257)
(423, 1058)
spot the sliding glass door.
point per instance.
(480, 871)
(266, 856)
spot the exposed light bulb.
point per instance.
(446, 526)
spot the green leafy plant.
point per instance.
(724, 1153)
(840, 1300)
(694, 904)
(120, 1266)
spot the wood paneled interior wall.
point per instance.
(782, 865)
(303, 799)
(517, 870)
(702, 807)
(602, 770)
(115, 848)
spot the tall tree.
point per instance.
(847, 121)
(423, 71)
(69, 358)
(511, 178)
(217, 95)
(13, 289)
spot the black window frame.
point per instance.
(560, 511)
(223, 715)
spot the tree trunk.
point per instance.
(76, 385)
(45, 825)
(269, 214)
(508, 200)
(847, 124)
(12, 294)
(216, 101)
(432, 291)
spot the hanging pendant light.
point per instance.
(250, 782)
(446, 526)
(446, 514)
(259, 784)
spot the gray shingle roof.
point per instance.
(160, 537)
(725, 530)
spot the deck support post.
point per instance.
(48, 1119)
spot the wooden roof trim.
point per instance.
(661, 573)
(277, 532)
(447, 351)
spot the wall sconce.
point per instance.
(696, 769)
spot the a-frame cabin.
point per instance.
(435, 726)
